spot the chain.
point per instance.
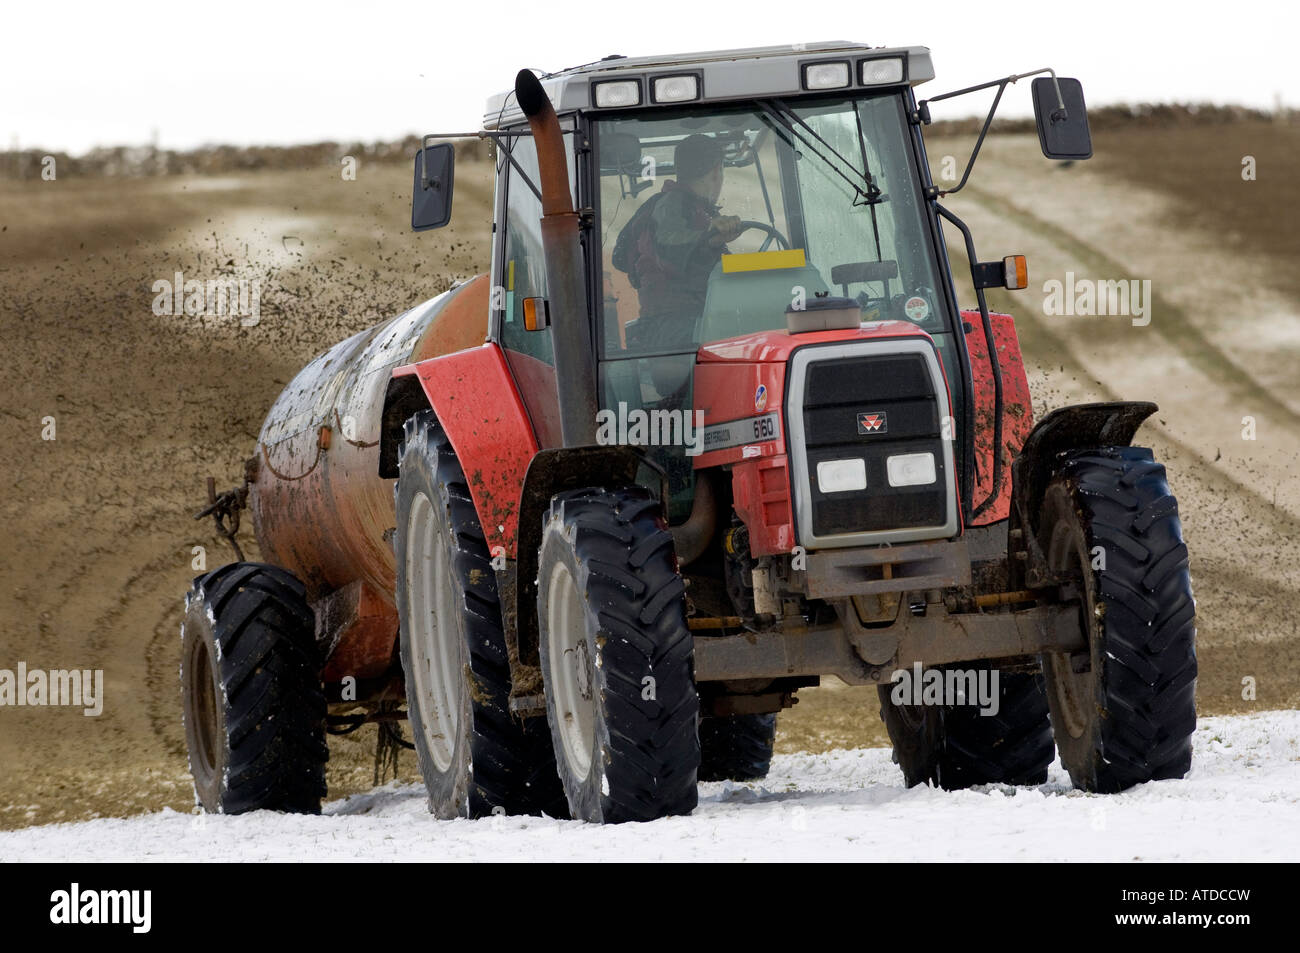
(224, 508)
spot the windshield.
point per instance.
(715, 221)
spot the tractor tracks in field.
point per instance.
(129, 573)
(1174, 325)
(1043, 340)
(1189, 342)
(138, 595)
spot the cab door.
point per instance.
(519, 272)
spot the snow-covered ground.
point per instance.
(1241, 802)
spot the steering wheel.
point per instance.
(772, 233)
(746, 225)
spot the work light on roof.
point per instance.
(618, 93)
(884, 70)
(826, 75)
(675, 89)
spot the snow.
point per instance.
(1241, 802)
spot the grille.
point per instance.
(872, 407)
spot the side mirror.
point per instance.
(435, 168)
(1011, 273)
(1062, 120)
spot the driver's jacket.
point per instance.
(671, 262)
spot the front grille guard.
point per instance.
(797, 443)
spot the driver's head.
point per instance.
(698, 161)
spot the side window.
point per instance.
(521, 273)
(523, 267)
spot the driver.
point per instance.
(675, 240)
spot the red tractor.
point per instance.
(728, 431)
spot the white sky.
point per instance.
(75, 75)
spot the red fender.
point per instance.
(1017, 409)
(476, 401)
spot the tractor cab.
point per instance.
(722, 222)
(723, 195)
(773, 208)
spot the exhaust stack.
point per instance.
(575, 374)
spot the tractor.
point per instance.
(711, 428)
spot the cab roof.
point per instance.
(723, 75)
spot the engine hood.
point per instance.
(776, 346)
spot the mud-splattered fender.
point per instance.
(1017, 409)
(1080, 427)
(476, 401)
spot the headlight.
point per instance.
(840, 476)
(826, 75)
(911, 469)
(878, 71)
(617, 93)
(675, 89)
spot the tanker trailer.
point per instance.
(275, 652)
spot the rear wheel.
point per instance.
(736, 747)
(253, 702)
(617, 658)
(1125, 708)
(475, 756)
(956, 746)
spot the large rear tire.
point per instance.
(253, 703)
(956, 747)
(1123, 710)
(617, 658)
(475, 756)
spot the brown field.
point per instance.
(1200, 169)
(99, 537)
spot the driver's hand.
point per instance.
(725, 228)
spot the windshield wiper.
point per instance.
(792, 123)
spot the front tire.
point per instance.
(1123, 710)
(617, 658)
(475, 756)
(253, 703)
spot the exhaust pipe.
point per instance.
(575, 373)
(691, 539)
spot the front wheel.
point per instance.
(617, 658)
(1124, 709)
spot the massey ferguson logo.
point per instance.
(873, 423)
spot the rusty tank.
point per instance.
(319, 507)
